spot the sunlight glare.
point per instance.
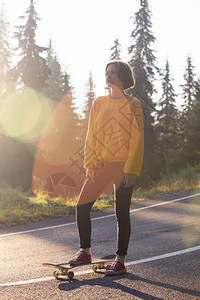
(25, 114)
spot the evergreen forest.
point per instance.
(34, 84)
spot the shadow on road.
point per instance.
(113, 283)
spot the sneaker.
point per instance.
(116, 268)
(81, 258)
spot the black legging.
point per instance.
(89, 194)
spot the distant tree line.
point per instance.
(172, 135)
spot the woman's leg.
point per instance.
(84, 224)
(89, 193)
(123, 202)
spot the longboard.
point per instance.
(63, 270)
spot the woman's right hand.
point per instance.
(90, 175)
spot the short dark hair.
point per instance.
(125, 73)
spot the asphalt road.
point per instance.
(163, 261)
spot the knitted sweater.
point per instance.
(115, 133)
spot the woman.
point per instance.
(113, 153)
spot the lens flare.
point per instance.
(58, 166)
(25, 114)
(56, 144)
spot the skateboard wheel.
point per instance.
(101, 266)
(56, 274)
(94, 268)
(108, 267)
(70, 275)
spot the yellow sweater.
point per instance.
(115, 133)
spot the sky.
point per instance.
(83, 31)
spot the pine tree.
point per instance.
(89, 99)
(168, 111)
(188, 88)
(143, 63)
(189, 98)
(143, 59)
(66, 86)
(58, 81)
(115, 50)
(55, 82)
(187, 117)
(5, 52)
(90, 96)
(196, 123)
(166, 120)
(69, 100)
(32, 69)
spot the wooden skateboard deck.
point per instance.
(64, 270)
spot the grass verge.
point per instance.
(19, 207)
(184, 179)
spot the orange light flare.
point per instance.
(25, 114)
(52, 165)
(30, 117)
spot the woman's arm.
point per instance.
(90, 160)
(133, 164)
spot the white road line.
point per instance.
(166, 202)
(26, 281)
(135, 262)
(37, 229)
(162, 256)
(97, 218)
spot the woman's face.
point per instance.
(112, 77)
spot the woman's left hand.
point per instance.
(128, 181)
